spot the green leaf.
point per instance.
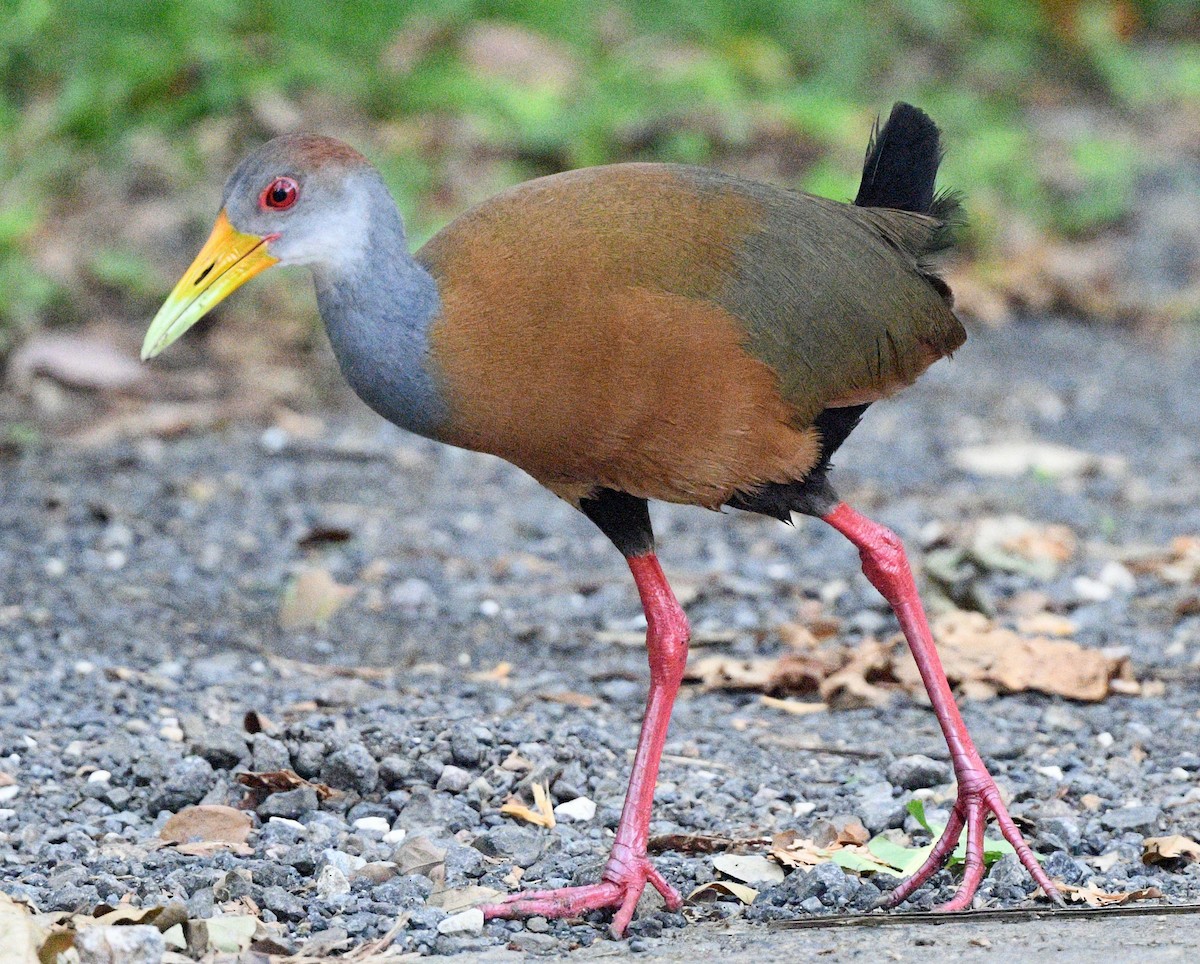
(862, 863)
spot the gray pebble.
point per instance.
(917, 771)
(351, 768)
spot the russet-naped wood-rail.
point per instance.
(626, 333)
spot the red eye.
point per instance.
(280, 194)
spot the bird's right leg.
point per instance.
(626, 521)
(886, 566)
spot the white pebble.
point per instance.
(489, 608)
(1118, 577)
(1091, 590)
(1179, 773)
(172, 733)
(372, 825)
(332, 883)
(469, 922)
(5, 813)
(579, 810)
(54, 568)
(294, 824)
(83, 667)
(1105, 739)
(1053, 772)
(99, 776)
(8, 793)
(115, 559)
(395, 836)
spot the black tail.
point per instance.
(901, 166)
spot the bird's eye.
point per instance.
(280, 194)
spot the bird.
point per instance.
(630, 333)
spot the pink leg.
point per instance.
(628, 869)
(884, 563)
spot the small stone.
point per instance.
(453, 779)
(284, 903)
(468, 923)
(1055, 773)
(394, 837)
(187, 782)
(539, 925)
(520, 845)
(332, 883)
(372, 826)
(221, 746)
(1138, 819)
(346, 864)
(291, 804)
(119, 945)
(99, 776)
(917, 771)
(268, 754)
(1105, 739)
(377, 872)
(351, 768)
(9, 793)
(579, 810)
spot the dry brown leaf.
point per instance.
(203, 830)
(1046, 624)
(1092, 895)
(22, 935)
(580, 701)
(78, 361)
(263, 783)
(1156, 850)
(311, 599)
(973, 648)
(6, 780)
(542, 815)
(794, 707)
(854, 685)
(789, 849)
(460, 898)
(717, 888)
(698, 843)
(497, 674)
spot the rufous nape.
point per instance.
(627, 333)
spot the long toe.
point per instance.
(619, 891)
(971, 810)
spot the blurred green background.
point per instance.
(119, 121)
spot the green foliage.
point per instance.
(695, 81)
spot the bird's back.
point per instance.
(671, 331)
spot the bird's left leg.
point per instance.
(628, 869)
(885, 565)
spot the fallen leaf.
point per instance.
(497, 674)
(207, 828)
(697, 843)
(266, 782)
(1012, 459)
(227, 933)
(460, 898)
(723, 888)
(6, 780)
(1092, 894)
(542, 815)
(580, 701)
(749, 868)
(311, 599)
(78, 361)
(794, 707)
(22, 935)
(419, 855)
(973, 648)
(1156, 850)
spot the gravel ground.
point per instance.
(140, 589)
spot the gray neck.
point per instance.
(377, 312)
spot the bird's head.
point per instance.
(299, 199)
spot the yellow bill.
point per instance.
(226, 262)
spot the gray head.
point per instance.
(299, 199)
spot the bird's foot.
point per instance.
(978, 796)
(620, 888)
